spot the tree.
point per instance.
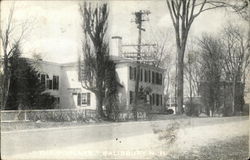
(192, 75)
(9, 41)
(183, 13)
(95, 50)
(241, 7)
(212, 63)
(236, 60)
(25, 90)
(111, 94)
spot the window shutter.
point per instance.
(57, 78)
(135, 75)
(157, 78)
(54, 82)
(149, 76)
(130, 97)
(79, 99)
(130, 73)
(153, 95)
(153, 77)
(157, 99)
(160, 79)
(88, 99)
(151, 99)
(161, 100)
(141, 73)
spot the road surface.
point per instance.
(119, 140)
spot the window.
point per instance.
(157, 78)
(157, 99)
(153, 97)
(50, 84)
(141, 75)
(88, 99)
(43, 80)
(79, 99)
(153, 77)
(83, 99)
(131, 96)
(55, 82)
(132, 73)
(47, 81)
(160, 79)
(145, 76)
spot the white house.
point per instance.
(62, 81)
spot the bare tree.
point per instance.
(95, 50)
(11, 35)
(211, 51)
(192, 73)
(183, 13)
(241, 7)
(236, 57)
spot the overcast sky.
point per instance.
(56, 32)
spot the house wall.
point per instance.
(122, 77)
(130, 84)
(71, 86)
(51, 69)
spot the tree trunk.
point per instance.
(191, 100)
(99, 103)
(6, 82)
(180, 65)
(233, 94)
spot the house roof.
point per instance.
(117, 60)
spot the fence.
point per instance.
(47, 115)
(61, 115)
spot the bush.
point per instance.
(192, 109)
(60, 115)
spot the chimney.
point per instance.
(116, 46)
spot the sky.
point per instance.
(55, 26)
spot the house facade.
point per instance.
(63, 82)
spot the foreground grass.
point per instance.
(233, 149)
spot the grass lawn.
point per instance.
(236, 148)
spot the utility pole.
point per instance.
(138, 20)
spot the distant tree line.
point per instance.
(216, 70)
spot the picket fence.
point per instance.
(61, 115)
